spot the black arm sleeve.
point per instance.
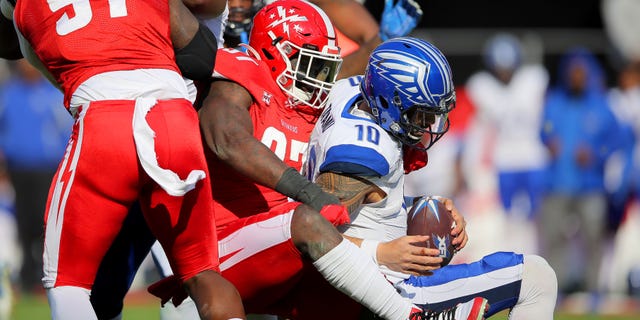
(293, 185)
(197, 59)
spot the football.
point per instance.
(430, 217)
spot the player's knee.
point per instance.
(214, 296)
(538, 272)
(309, 220)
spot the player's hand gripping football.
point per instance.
(458, 233)
(406, 256)
(400, 19)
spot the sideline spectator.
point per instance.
(34, 130)
(580, 132)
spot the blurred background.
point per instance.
(542, 156)
(461, 28)
(542, 153)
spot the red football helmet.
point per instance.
(298, 42)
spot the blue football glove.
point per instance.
(399, 20)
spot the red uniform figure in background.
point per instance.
(135, 138)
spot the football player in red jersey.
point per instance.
(135, 137)
(256, 120)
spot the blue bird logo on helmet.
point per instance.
(409, 87)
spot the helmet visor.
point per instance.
(425, 125)
(317, 67)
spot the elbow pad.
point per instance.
(197, 59)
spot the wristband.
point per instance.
(371, 248)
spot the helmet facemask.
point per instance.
(298, 43)
(417, 126)
(309, 74)
(422, 125)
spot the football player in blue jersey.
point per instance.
(372, 129)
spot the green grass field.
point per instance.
(36, 308)
(144, 307)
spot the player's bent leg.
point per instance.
(184, 223)
(538, 292)
(496, 277)
(86, 207)
(343, 264)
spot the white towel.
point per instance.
(144, 136)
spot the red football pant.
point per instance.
(100, 177)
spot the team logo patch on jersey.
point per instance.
(266, 97)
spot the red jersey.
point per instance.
(75, 40)
(283, 129)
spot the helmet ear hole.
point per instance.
(383, 102)
(267, 54)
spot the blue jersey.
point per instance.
(347, 140)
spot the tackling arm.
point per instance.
(15, 45)
(194, 44)
(351, 190)
(184, 24)
(401, 254)
(228, 131)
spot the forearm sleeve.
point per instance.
(293, 185)
(197, 59)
